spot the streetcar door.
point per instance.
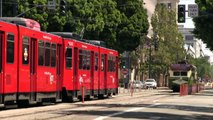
(105, 73)
(33, 70)
(92, 72)
(75, 69)
(1, 69)
(59, 76)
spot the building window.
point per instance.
(189, 37)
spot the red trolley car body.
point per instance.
(36, 66)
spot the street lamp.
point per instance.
(150, 55)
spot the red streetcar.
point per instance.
(41, 67)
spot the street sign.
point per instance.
(192, 10)
(51, 5)
(125, 71)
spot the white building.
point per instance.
(192, 43)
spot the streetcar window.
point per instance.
(25, 50)
(69, 58)
(47, 54)
(96, 61)
(113, 63)
(102, 62)
(88, 59)
(84, 59)
(40, 53)
(109, 63)
(53, 55)
(10, 48)
(1, 40)
(183, 73)
(176, 73)
(80, 59)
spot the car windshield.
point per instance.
(150, 80)
(137, 82)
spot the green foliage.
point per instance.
(170, 48)
(133, 26)
(6, 8)
(203, 67)
(204, 22)
(120, 23)
(39, 14)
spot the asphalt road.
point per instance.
(145, 104)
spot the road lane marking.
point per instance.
(122, 112)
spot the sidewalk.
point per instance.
(202, 98)
(121, 90)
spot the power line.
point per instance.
(118, 5)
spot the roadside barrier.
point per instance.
(131, 88)
(185, 89)
(82, 93)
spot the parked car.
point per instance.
(151, 83)
(138, 84)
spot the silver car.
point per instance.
(151, 83)
(138, 84)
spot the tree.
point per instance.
(36, 10)
(120, 23)
(6, 8)
(204, 22)
(203, 67)
(170, 41)
(134, 24)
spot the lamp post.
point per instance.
(150, 55)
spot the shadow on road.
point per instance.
(105, 110)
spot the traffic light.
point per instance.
(123, 63)
(15, 9)
(181, 14)
(63, 7)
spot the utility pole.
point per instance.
(150, 55)
(0, 8)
